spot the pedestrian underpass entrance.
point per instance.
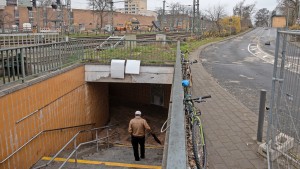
(122, 100)
(57, 105)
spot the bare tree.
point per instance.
(175, 14)
(215, 14)
(244, 11)
(289, 8)
(262, 17)
(5, 19)
(100, 8)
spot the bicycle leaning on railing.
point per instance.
(195, 125)
(193, 115)
(186, 71)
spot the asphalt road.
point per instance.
(239, 69)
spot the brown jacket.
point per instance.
(138, 126)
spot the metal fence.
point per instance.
(283, 141)
(19, 64)
(25, 39)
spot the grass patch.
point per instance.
(150, 54)
(192, 45)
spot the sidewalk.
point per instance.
(229, 126)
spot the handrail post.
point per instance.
(97, 142)
(75, 147)
(60, 59)
(107, 134)
(262, 107)
(22, 64)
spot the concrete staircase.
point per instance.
(111, 42)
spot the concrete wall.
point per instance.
(61, 101)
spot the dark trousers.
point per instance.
(136, 141)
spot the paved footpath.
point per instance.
(229, 126)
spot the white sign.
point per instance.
(11, 2)
(26, 3)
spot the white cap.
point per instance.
(138, 113)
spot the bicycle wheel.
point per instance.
(199, 146)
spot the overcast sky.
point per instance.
(204, 4)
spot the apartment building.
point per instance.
(135, 6)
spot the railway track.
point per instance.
(18, 42)
(170, 36)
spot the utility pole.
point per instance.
(198, 17)
(194, 13)
(163, 15)
(60, 15)
(69, 9)
(45, 16)
(298, 11)
(112, 17)
(38, 18)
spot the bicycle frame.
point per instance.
(192, 113)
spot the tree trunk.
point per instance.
(101, 21)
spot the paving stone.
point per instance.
(223, 152)
(245, 164)
(250, 155)
(220, 166)
(230, 146)
(216, 159)
(259, 164)
(217, 144)
(229, 125)
(224, 139)
(237, 154)
(236, 139)
(230, 162)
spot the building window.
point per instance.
(17, 14)
(30, 14)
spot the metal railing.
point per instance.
(39, 134)
(18, 64)
(77, 146)
(283, 141)
(25, 39)
(175, 155)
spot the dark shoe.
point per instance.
(142, 157)
(137, 159)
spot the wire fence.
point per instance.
(283, 141)
(18, 64)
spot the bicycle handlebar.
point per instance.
(189, 62)
(198, 99)
(206, 97)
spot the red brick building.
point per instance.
(50, 18)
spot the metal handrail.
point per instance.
(37, 135)
(35, 45)
(76, 147)
(290, 32)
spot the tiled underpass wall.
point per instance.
(136, 93)
(61, 101)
